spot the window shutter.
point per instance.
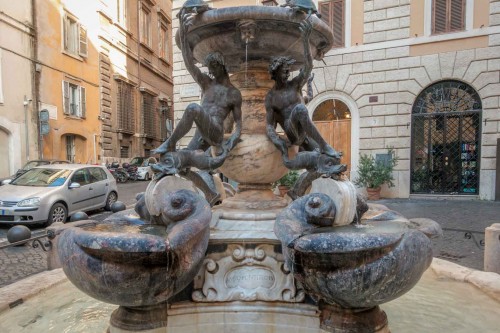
(324, 10)
(440, 16)
(83, 46)
(338, 23)
(457, 15)
(65, 32)
(66, 106)
(83, 103)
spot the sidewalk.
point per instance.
(463, 223)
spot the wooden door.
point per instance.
(338, 134)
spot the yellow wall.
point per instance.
(58, 66)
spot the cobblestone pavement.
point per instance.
(463, 223)
(19, 262)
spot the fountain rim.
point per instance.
(287, 15)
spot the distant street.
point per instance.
(19, 262)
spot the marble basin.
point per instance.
(136, 264)
(352, 266)
(269, 31)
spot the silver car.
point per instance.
(51, 193)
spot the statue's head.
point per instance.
(215, 63)
(279, 68)
(330, 165)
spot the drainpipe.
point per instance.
(26, 104)
(35, 70)
(95, 152)
(139, 8)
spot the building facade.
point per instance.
(68, 80)
(135, 76)
(419, 77)
(18, 121)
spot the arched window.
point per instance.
(446, 119)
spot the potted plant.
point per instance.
(373, 173)
(287, 181)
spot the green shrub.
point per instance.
(289, 179)
(372, 173)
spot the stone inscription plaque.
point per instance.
(250, 278)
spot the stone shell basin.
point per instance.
(351, 266)
(133, 263)
(270, 31)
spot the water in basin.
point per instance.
(129, 228)
(432, 306)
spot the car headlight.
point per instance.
(29, 202)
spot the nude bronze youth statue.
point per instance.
(219, 99)
(285, 104)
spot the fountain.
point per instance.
(319, 264)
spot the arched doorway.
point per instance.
(74, 148)
(446, 131)
(333, 120)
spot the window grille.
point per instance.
(165, 118)
(124, 152)
(149, 119)
(126, 107)
(70, 148)
(448, 16)
(332, 13)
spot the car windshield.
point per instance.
(136, 161)
(32, 164)
(42, 177)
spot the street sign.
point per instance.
(44, 122)
(44, 115)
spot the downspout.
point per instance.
(139, 8)
(35, 85)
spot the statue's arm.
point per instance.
(305, 72)
(233, 140)
(187, 53)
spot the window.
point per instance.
(126, 107)
(97, 174)
(74, 100)
(70, 148)
(124, 152)
(332, 13)
(81, 177)
(165, 120)
(271, 3)
(148, 115)
(163, 41)
(74, 36)
(145, 24)
(121, 12)
(448, 16)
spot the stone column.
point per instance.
(492, 248)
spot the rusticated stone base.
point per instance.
(134, 319)
(341, 320)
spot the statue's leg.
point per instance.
(197, 142)
(301, 122)
(192, 114)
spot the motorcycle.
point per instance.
(131, 171)
(120, 174)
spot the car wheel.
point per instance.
(112, 197)
(57, 213)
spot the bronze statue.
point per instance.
(219, 99)
(285, 104)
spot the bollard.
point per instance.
(492, 248)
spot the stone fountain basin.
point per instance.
(129, 263)
(360, 267)
(275, 33)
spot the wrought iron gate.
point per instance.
(446, 119)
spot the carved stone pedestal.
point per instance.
(244, 261)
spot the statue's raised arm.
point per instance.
(305, 72)
(185, 21)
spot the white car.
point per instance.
(145, 172)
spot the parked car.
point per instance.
(145, 172)
(51, 193)
(28, 166)
(137, 161)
